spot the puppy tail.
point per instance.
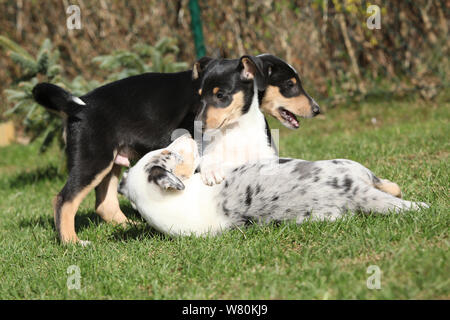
(388, 187)
(57, 100)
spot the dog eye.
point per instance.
(289, 83)
(219, 95)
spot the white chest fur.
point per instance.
(242, 142)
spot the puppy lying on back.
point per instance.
(172, 199)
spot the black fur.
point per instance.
(56, 99)
(164, 178)
(138, 113)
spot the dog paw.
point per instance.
(212, 175)
(422, 205)
(84, 243)
(416, 206)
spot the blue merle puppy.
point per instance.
(162, 186)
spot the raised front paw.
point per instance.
(213, 174)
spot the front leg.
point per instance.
(211, 170)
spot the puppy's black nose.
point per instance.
(315, 109)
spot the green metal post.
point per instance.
(196, 27)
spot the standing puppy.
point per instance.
(109, 126)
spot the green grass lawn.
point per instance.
(408, 143)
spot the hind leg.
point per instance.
(378, 201)
(106, 201)
(388, 187)
(81, 181)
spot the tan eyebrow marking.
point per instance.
(200, 92)
(294, 80)
(217, 116)
(215, 90)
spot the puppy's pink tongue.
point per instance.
(122, 161)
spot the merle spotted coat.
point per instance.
(261, 192)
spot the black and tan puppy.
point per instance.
(235, 130)
(128, 118)
(107, 127)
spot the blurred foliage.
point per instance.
(45, 67)
(37, 122)
(339, 58)
(161, 58)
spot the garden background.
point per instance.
(385, 97)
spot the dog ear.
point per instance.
(252, 68)
(165, 179)
(267, 64)
(200, 66)
(267, 69)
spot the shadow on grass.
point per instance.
(84, 219)
(50, 172)
(137, 230)
(128, 210)
(44, 222)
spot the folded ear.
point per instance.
(267, 64)
(165, 179)
(252, 68)
(200, 66)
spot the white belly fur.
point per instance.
(190, 211)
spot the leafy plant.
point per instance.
(45, 66)
(144, 58)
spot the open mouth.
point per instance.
(290, 120)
